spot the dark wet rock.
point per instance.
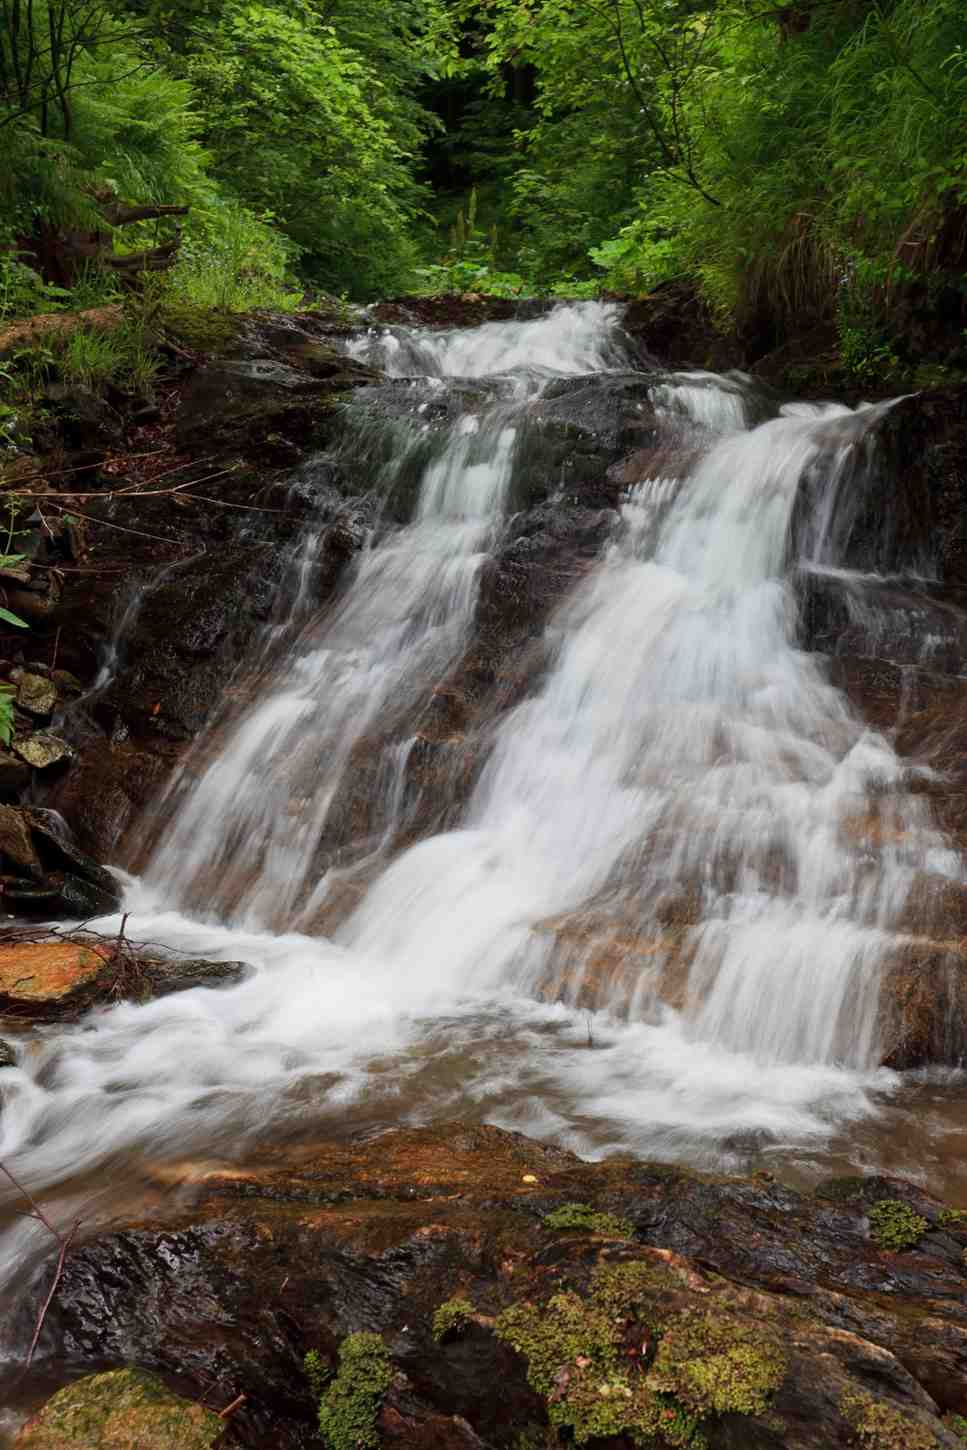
(458, 309)
(278, 379)
(14, 773)
(672, 324)
(84, 417)
(303, 1245)
(16, 844)
(121, 1410)
(53, 876)
(8, 1057)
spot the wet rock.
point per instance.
(122, 1410)
(36, 694)
(16, 843)
(63, 978)
(250, 397)
(8, 1058)
(307, 1243)
(41, 751)
(84, 417)
(14, 773)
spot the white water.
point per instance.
(679, 744)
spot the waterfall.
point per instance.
(244, 835)
(663, 833)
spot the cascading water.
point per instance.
(679, 792)
(251, 824)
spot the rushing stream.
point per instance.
(676, 792)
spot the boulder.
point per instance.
(124, 1409)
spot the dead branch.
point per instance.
(63, 1239)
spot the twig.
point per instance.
(124, 529)
(64, 1240)
(53, 662)
(65, 1243)
(229, 1409)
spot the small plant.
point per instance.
(582, 1218)
(955, 1218)
(957, 1425)
(451, 1316)
(895, 1226)
(349, 1403)
(878, 1426)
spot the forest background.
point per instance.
(793, 166)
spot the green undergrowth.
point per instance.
(583, 1218)
(349, 1402)
(895, 1226)
(611, 1363)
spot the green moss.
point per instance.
(350, 1403)
(582, 1217)
(205, 329)
(611, 1364)
(956, 1424)
(121, 1408)
(894, 1225)
(450, 1316)
(878, 1426)
(953, 1218)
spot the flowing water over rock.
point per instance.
(652, 927)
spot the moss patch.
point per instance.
(123, 1410)
(583, 1218)
(878, 1426)
(611, 1363)
(894, 1225)
(204, 329)
(955, 1218)
(349, 1405)
(452, 1315)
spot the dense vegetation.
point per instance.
(801, 163)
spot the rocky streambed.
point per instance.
(518, 1291)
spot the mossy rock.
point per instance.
(204, 329)
(124, 1409)
(614, 1362)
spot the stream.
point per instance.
(671, 798)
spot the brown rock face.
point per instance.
(304, 1245)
